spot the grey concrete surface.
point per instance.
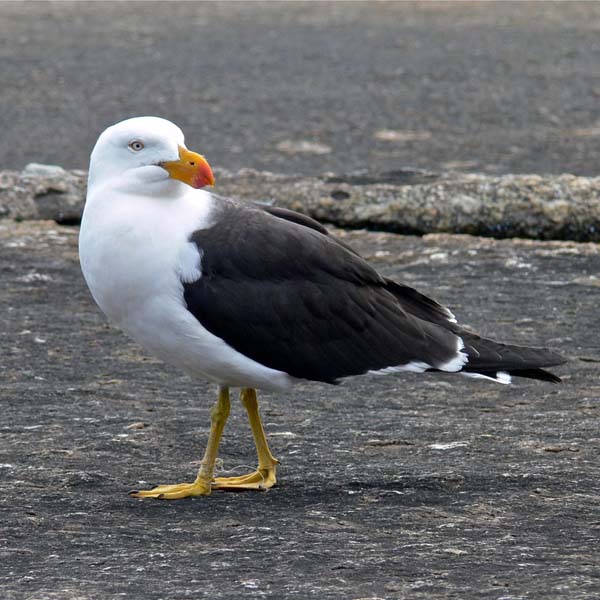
(390, 488)
(310, 87)
(412, 487)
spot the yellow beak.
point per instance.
(191, 168)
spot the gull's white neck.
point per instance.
(134, 235)
(150, 181)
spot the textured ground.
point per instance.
(398, 487)
(310, 87)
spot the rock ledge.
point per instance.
(563, 207)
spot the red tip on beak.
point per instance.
(204, 175)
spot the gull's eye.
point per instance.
(136, 145)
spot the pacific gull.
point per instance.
(252, 296)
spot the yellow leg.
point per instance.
(202, 485)
(264, 476)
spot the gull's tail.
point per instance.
(493, 360)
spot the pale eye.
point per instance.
(136, 145)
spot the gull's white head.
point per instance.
(146, 151)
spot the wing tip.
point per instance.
(505, 377)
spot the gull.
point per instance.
(253, 296)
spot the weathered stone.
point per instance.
(561, 207)
(38, 170)
(42, 192)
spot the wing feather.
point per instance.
(292, 298)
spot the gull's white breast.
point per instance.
(135, 255)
